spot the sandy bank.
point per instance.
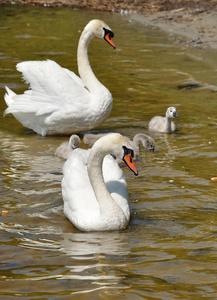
(196, 27)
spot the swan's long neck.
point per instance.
(107, 205)
(168, 124)
(84, 68)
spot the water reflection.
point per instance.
(169, 249)
(82, 244)
(30, 160)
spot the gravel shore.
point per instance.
(196, 27)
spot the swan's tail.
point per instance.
(9, 98)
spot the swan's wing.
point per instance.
(52, 88)
(49, 78)
(75, 77)
(77, 192)
(116, 183)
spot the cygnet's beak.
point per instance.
(151, 149)
(175, 114)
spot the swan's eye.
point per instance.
(128, 151)
(108, 35)
(108, 32)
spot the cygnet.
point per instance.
(66, 148)
(164, 124)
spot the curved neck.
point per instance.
(168, 124)
(84, 68)
(107, 205)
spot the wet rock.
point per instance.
(189, 84)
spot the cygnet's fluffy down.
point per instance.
(164, 124)
(66, 148)
(90, 138)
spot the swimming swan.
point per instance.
(146, 140)
(94, 188)
(66, 148)
(164, 124)
(60, 102)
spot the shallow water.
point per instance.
(169, 250)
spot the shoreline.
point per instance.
(192, 22)
(193, 27)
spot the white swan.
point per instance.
(94, 188)
(66, 148)
(146, 140)
(164, 124)
(59, 102)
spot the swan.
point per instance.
(164, 124)
(66, 148)
(147, 141)
(60, 102)
(94, 188)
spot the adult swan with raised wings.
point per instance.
(94, 188)
(60, 102)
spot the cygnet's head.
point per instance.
(74, 141)
(146, 140)
(150, 144)
(101, 30)
(171, 112)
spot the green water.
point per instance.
(169, 249)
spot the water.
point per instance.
(169, 249)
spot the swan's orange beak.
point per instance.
(109, 39)
(128, 159)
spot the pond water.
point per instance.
(169, 249)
